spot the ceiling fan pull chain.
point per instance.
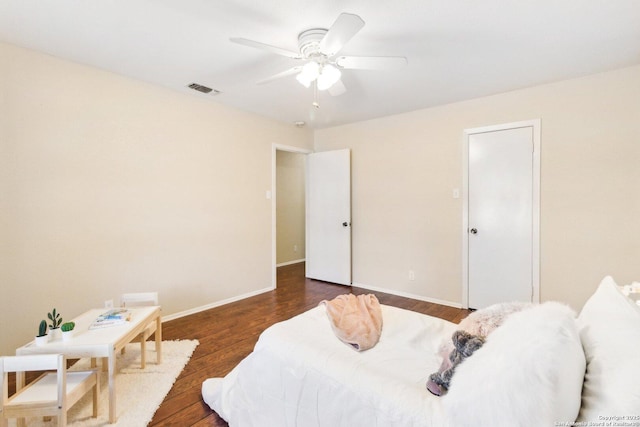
(315, 94)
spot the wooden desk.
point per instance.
(100, 343)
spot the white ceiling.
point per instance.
(456, 49)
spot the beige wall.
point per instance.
(109, 185)
(290, 207)
(405, 167)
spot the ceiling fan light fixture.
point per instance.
(328, 77)
(309, 73)
(303, 80)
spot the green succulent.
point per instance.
(42, 329)
(68, 326)
(55, 319)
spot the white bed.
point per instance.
(299, 366)
(529, 372)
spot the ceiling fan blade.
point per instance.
(269, 48)
(371, 62)
(289, 72)
(337, 89)
(345, 27)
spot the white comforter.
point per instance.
(300, 374)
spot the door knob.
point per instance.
(473, 231)
(345, 224)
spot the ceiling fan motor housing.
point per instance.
(309, 42)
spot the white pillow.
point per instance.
(610, 331)
(529, 372)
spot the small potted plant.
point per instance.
(67, 330)
(42, 338)
(55, 322)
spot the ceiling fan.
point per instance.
(318, 49)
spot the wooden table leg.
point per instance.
(20, 380)
(143, 352)
(20, 376)
(112, 386)
(159, 339)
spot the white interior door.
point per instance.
(501, 216)
(328, 216)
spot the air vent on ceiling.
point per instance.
(203, 89)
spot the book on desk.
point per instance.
(113, 317)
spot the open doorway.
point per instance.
(288, 207)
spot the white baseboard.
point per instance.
(214, 304)
(408, 295)
(295, 261)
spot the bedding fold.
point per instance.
(355, 320)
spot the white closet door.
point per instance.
(500, 216)
(328, 245)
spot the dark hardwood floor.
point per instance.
(228, 333)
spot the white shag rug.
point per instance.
(139, 392)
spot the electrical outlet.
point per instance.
(295, 248)
(412, 275)
(108, 303)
